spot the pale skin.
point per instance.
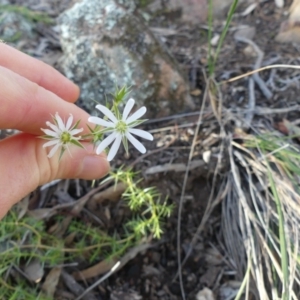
(30, 92)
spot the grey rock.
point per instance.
(105, 43)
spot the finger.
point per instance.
(38, 72)
(24, 166)
(26, 106)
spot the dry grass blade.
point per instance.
(182, 196)
(277, 66)
(213, 94)
(255, 232)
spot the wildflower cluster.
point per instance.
(118, 128)
(61, 135)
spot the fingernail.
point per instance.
(96, 165)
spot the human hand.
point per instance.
(30, 93)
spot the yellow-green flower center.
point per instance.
(65, 137)
(121, 127)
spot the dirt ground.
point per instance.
(152, 274)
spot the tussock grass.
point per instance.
(261, 208)
(261, 215)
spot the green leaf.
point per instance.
(62, 151)
(46, 137)
(120, 94)
(137, 122)
(76, 125)
(76, 143)
(125, 143)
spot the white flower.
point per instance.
(61, 134)
(121, 129)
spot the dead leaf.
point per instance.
(59, 228)
(112, 193)
(289, 31)
(288, 128)
(96, 270)
(75, 287)
(281, 127)
(291, 35)
(196, 92)
(175, 167)
(34, 270)
(70, 238)
(245, 32)
(210, 276)
(213, 257)
(41, 213)
(50, 284)
(292, 129)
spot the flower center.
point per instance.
(121, 127)
(65, 137)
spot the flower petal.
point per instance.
(75, 131)
(140, 112)
(60, 122)
(50, 132)
(139, 146)
(69, 122)
(106, 142)
(53, 150)
(127, 109)
(114, 148)
(101, 122)
(53, 127)
(107, 112)
(51, 143)
(142, 133)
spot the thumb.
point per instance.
(24, 166)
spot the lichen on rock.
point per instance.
(105, 44)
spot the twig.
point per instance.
(175, 167)
(140, 158)
(267, 111)
(251, 103)
(168, 118)
(283, 83)
(264, 89)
